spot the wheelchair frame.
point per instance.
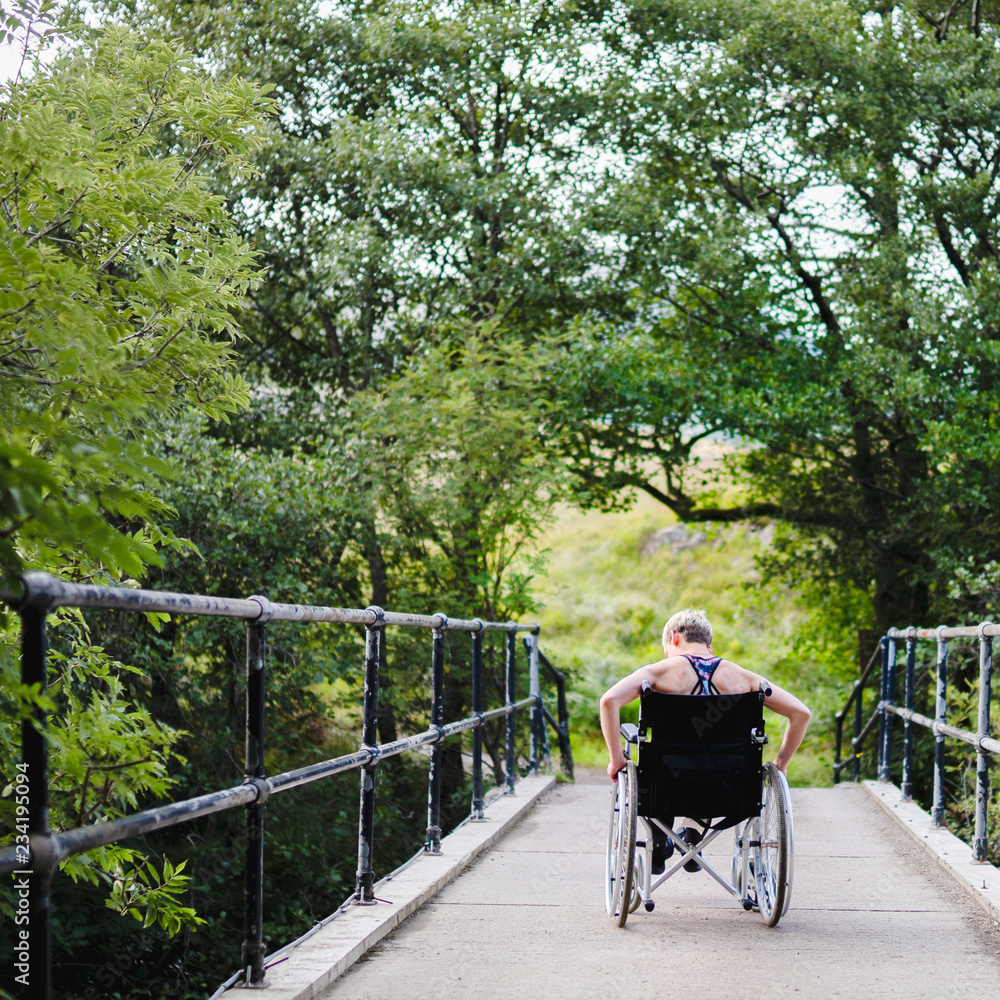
(763, 845)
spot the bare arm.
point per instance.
(612, 702)
(798, 716)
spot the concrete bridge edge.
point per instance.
(949, 851)
(302, 970)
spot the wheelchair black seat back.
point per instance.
(699, 757)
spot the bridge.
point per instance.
(885, 901)
(883, 905)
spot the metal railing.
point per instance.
(860, 731)
(887, 710)
(562, 725)
(38, 850)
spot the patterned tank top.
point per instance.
(704, 667)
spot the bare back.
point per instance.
(676, 675)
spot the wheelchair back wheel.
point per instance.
(772, 854)
(791, 842)
(619, 868)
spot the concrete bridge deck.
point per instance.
(871, 917)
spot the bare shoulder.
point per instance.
(673, 675)
(731, 678)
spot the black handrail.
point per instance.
(860, 732)
(38, 850)
(562, 726)
(887, 710)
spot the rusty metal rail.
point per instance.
(38, 850)
(887, 710)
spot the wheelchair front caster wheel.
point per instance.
(747, 905)
(649, 904)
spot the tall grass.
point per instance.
(610, 587)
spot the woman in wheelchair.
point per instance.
(686, 760)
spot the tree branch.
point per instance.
(811, 281)
(944, 235)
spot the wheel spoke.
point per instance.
(772, 849)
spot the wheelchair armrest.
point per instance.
(630, 731)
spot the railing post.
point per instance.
(858, 722)
(838, 720)
(884, 645)
(511, 685)
(34, 755)
(565, 750)
(906, 784)
(252, 959)
(364, 888)
(535, 690)
(940, 715)
(478, 810)
(979, 844)
(437, 720)
(888, 684)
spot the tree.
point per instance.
(452, 459)
(422, 188)
(422, 177)
(452, 456)
(812, 229)
(258, 521)
(119, 275)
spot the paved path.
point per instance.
(870, 918)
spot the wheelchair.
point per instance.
(700, 756)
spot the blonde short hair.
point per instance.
(692, 623)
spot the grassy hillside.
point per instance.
(614, 579)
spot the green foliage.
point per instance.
(811, 228)
(148, 896)
(22, 23)
(297, 499)
(418, 217)
(417, 213)
(119, 275)
(458, 472)
(108, 756)
(107, 749)
(263, 521)
(508, 251)
(423, 176)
